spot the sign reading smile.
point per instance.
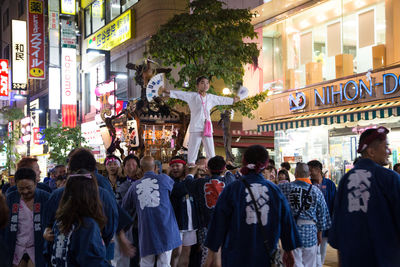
(297, 101)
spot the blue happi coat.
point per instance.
(82, 246)
(109, 208)
(13, 200)
(205, 192)
(366, 217)
(149, 198)
(234, 223)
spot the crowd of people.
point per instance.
(202, 215)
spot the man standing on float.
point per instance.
(200, 103)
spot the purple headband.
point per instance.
(108, 160)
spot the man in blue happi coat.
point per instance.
(366, 216)
(205, 192)
(310, 212)
(235, 228)
(328, 189)
(158, 229)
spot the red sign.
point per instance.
(4, 81)
(36, 66)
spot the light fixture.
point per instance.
(226, 91)
(304, 24)
(38, 111)
(121, 76)
(19, 96)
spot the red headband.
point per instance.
(379, 133)
(177, 161)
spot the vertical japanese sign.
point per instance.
(68, 34)
(4, 88)
(19, 61)
(68, 7)
(68, 87)
(36, 66)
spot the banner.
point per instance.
(4, 78)
(36, 63)
(68, 88)
(19, 61)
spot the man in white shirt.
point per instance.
(200, 103)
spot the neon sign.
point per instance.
(346, 92)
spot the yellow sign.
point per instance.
(113, 34)
(35, 7)
(68, 7)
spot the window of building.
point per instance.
(101, 12)
(331, 40)
(21, 7)
(125, 4)
(6, 19)
(88, 21)
(98, 15)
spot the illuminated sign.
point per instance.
(297, 102)
(54, 88)
(19, 62)
(114, 33)
(68, 34)
(68, 86)
(349, 91)
(4, 80)
(36, 68)
(68, 7)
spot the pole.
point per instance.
(28, 113)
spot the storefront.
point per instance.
(332, 70)
(307, 127)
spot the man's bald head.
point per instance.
(147, 164)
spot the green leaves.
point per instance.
(61, 141)
(209, 41)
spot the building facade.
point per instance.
(332, 69)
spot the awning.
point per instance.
(354, 114)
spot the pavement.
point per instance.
(331, 259)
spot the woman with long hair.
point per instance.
(79, 220)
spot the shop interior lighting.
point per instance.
(38, 111)
(122, 76)
(19, 96)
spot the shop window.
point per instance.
(316, 40)
(305, 48)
